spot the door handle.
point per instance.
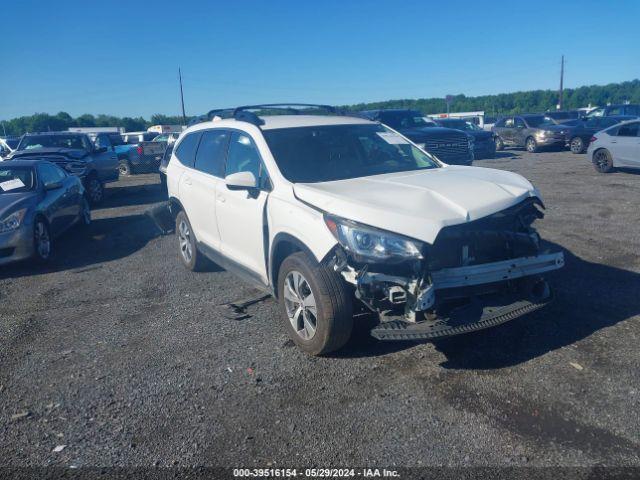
(221, 199)
(187, 181)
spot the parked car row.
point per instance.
(537, 131)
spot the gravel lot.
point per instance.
(119, 353)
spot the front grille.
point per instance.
(449, 148)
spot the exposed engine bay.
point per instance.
(489, 265)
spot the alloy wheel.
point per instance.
(576, 145)
(602, 160)
(531, 145)
(42, 240)
(301, 305)
(184, 237)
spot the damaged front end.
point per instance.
(475, 275)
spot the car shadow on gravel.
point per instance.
(503, 154)
(588, 297)
(83, 248)
(131, 195)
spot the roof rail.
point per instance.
(244, 113)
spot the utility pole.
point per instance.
(560, 99)
(184, 116)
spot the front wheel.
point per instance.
(41, 241)
(316, 304)
(531, 145)
(602, 161)
(86, 213)
(576, 145)
(499, 144)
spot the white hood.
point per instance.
(418, 204)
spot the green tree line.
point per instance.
(502, 104)
(519, 102)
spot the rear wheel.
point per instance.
(189, 254)
(124, 168)
(41, 240)
(603, 161)
(576, 145)
(316, 304)
(531, 145)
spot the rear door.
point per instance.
(626, 145)
(519, 131)
(205, 179)
(240, 213)
(507, 131)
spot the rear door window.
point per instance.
(186, 150)
(210, 157)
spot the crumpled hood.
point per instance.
(419, 204)
(71, 154)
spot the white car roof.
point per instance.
(285, 121)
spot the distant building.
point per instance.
(166, 128)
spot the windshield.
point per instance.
(16, 179)
(338, 152)
(76, 142)
(539, 121)
(398, 121)
(12, 142)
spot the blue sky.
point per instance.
(122, 59)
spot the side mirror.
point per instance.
(53, 186)
(241, 181)
(101, 149)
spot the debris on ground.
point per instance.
(20, 415)
(59, 448)
(577, 366)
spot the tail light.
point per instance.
(593, 139)
(139, 150)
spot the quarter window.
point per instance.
(630, 130)
(186, 151)
(210, 156)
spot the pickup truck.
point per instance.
(76, 154)
(138, 152)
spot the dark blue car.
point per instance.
(38, 202)
(484, 142)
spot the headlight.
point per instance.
(542, 133)
(369, 244)
(12, 222)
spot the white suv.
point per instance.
(336, 215)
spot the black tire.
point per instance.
(188, 252)
(576, 145)
(85, 215)
(42, 244)
(124, 167)
(499, 144)
(603, 161)
(163, 185)
(94, 189)
(531, 145)
(333, 305)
